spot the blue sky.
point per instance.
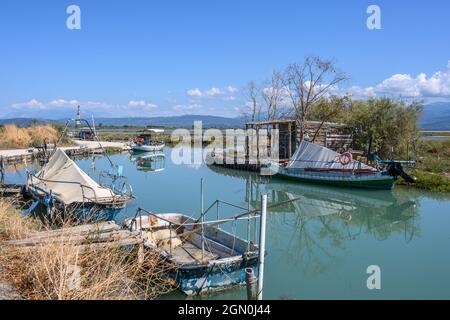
(146, 58)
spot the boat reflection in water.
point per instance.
(149, 161)
(319, 201)
(314, 232)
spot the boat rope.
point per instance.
(218, 265)
(204, 281)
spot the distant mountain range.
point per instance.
(436, 116)
(186, 121)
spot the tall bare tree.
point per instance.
(252, 103)
(306, 84)
(272, 95)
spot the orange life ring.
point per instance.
(345, 158)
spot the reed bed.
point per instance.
(66, 271)
(12, 136)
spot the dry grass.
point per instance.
(62, 271)
(12, 136)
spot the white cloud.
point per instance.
(66, 108)
(33, 103)
(421, 86)
(212, 92)
(141, 103)
(187, 107)
(231, 89)
(194, 92)
(62, 102)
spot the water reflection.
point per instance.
(315, 229)
(318, 246)
(149, 161)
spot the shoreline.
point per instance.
(11, 155)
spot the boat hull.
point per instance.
(214, 277)
(226, 256)
(368, 181)
(147, 148)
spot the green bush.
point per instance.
(429, 181)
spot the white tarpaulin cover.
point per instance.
(310, 155)
(63, 177)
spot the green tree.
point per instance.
(391, 124)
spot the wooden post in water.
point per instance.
(262, 246)
(250, 281)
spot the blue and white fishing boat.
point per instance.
(144, 142)
(206, 259)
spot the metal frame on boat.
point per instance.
(207, 258)
(64, 189)
(62, 185)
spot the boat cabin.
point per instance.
(145, 136)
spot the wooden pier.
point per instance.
(83, 148)
(101, 234)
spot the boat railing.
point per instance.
(217, 205)
(353, 165)
(95, 199)
(196, 223)
(139, 213)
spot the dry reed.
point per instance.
(62, 270)
(12, 136)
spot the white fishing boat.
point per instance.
(145, 143)
(62, 185)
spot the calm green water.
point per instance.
(321, 245)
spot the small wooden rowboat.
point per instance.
(218, 266)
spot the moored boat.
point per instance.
(316, 164)
(63, 188)
(145, 143)
(214, 262)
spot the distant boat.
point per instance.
(222, 263)
(316, 164)
(145, 143)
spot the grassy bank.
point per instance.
(48, 271)
(433, 166)
(13, 137)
